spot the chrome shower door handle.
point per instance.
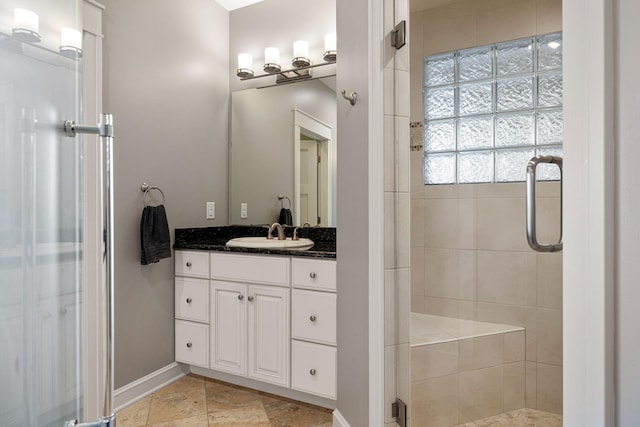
(532, 238)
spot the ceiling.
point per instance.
(236, 4)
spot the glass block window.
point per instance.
(489, 109)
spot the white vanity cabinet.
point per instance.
(192, 308)
(313, 318)
(256, 325)
(250, 317)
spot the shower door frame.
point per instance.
(588, 309)
(588, 187)
(93, 324)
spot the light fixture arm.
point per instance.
(297, 73)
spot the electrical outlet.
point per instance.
(243, 211)
(211, 210)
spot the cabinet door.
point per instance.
(269, 334)
(228, 327)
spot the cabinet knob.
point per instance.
(312, 275)
(312, 372)
(188, 263)
(250, 298)
(189, 300)
(240, 297)
(189, 345)
(313, 318)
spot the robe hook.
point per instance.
(351, 98)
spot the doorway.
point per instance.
(314, 171)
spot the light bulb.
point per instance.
(330, 44)
(71, 43)
(300, 54)
(245, 65)
(272, 60)
(26, 25)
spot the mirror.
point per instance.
(283, 143)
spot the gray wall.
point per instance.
(166, 81)
(627, 208)
(353, 218)
(262, 154)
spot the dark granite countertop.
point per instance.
(215, 239)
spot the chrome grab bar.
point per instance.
(105, 131)
(531, 203)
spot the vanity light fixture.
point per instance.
(330, 47)
(71, 43)
(271, 60)
(245, 66)
(26, 25)
(300, 64)
(300, 54)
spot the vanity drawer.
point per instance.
(192, 343)
(192, 299)
(313, 274)
(313, 316)
(267, 270)
(192, 264)
(313, 368)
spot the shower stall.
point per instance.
(486, 321)
(44, 231)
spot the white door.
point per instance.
(229, 327)
(308, 181)
(269, 334)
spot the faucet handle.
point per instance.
(269, 234)
(295, 233)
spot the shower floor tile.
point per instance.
(519, 418)
(194, 401)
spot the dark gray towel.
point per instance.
(155, 239)
(285, 217)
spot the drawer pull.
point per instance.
(313, 318)
(188, 263)
(312, 372)
(189, 345)
(240, 297)
(250, 298)
(312, 275)
(189, 300)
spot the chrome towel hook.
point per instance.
(351, 98)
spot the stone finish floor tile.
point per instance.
(195, 401)
(135, 415)
(519, 418)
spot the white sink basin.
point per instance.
(264, 243)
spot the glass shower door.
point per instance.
(41, 223)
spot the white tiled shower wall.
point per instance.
(469, 255)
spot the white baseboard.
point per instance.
(132, 392)
(339, 420)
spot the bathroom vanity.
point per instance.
(257, 317)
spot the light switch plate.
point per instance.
(211, 210)
(243, 211)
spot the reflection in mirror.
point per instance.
(283, 142)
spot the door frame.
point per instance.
(323, 133)
(588, 187)
(94, 327)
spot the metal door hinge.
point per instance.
(399, 35)
(399, 412)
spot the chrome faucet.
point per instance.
(295, 230)
(278, 227)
